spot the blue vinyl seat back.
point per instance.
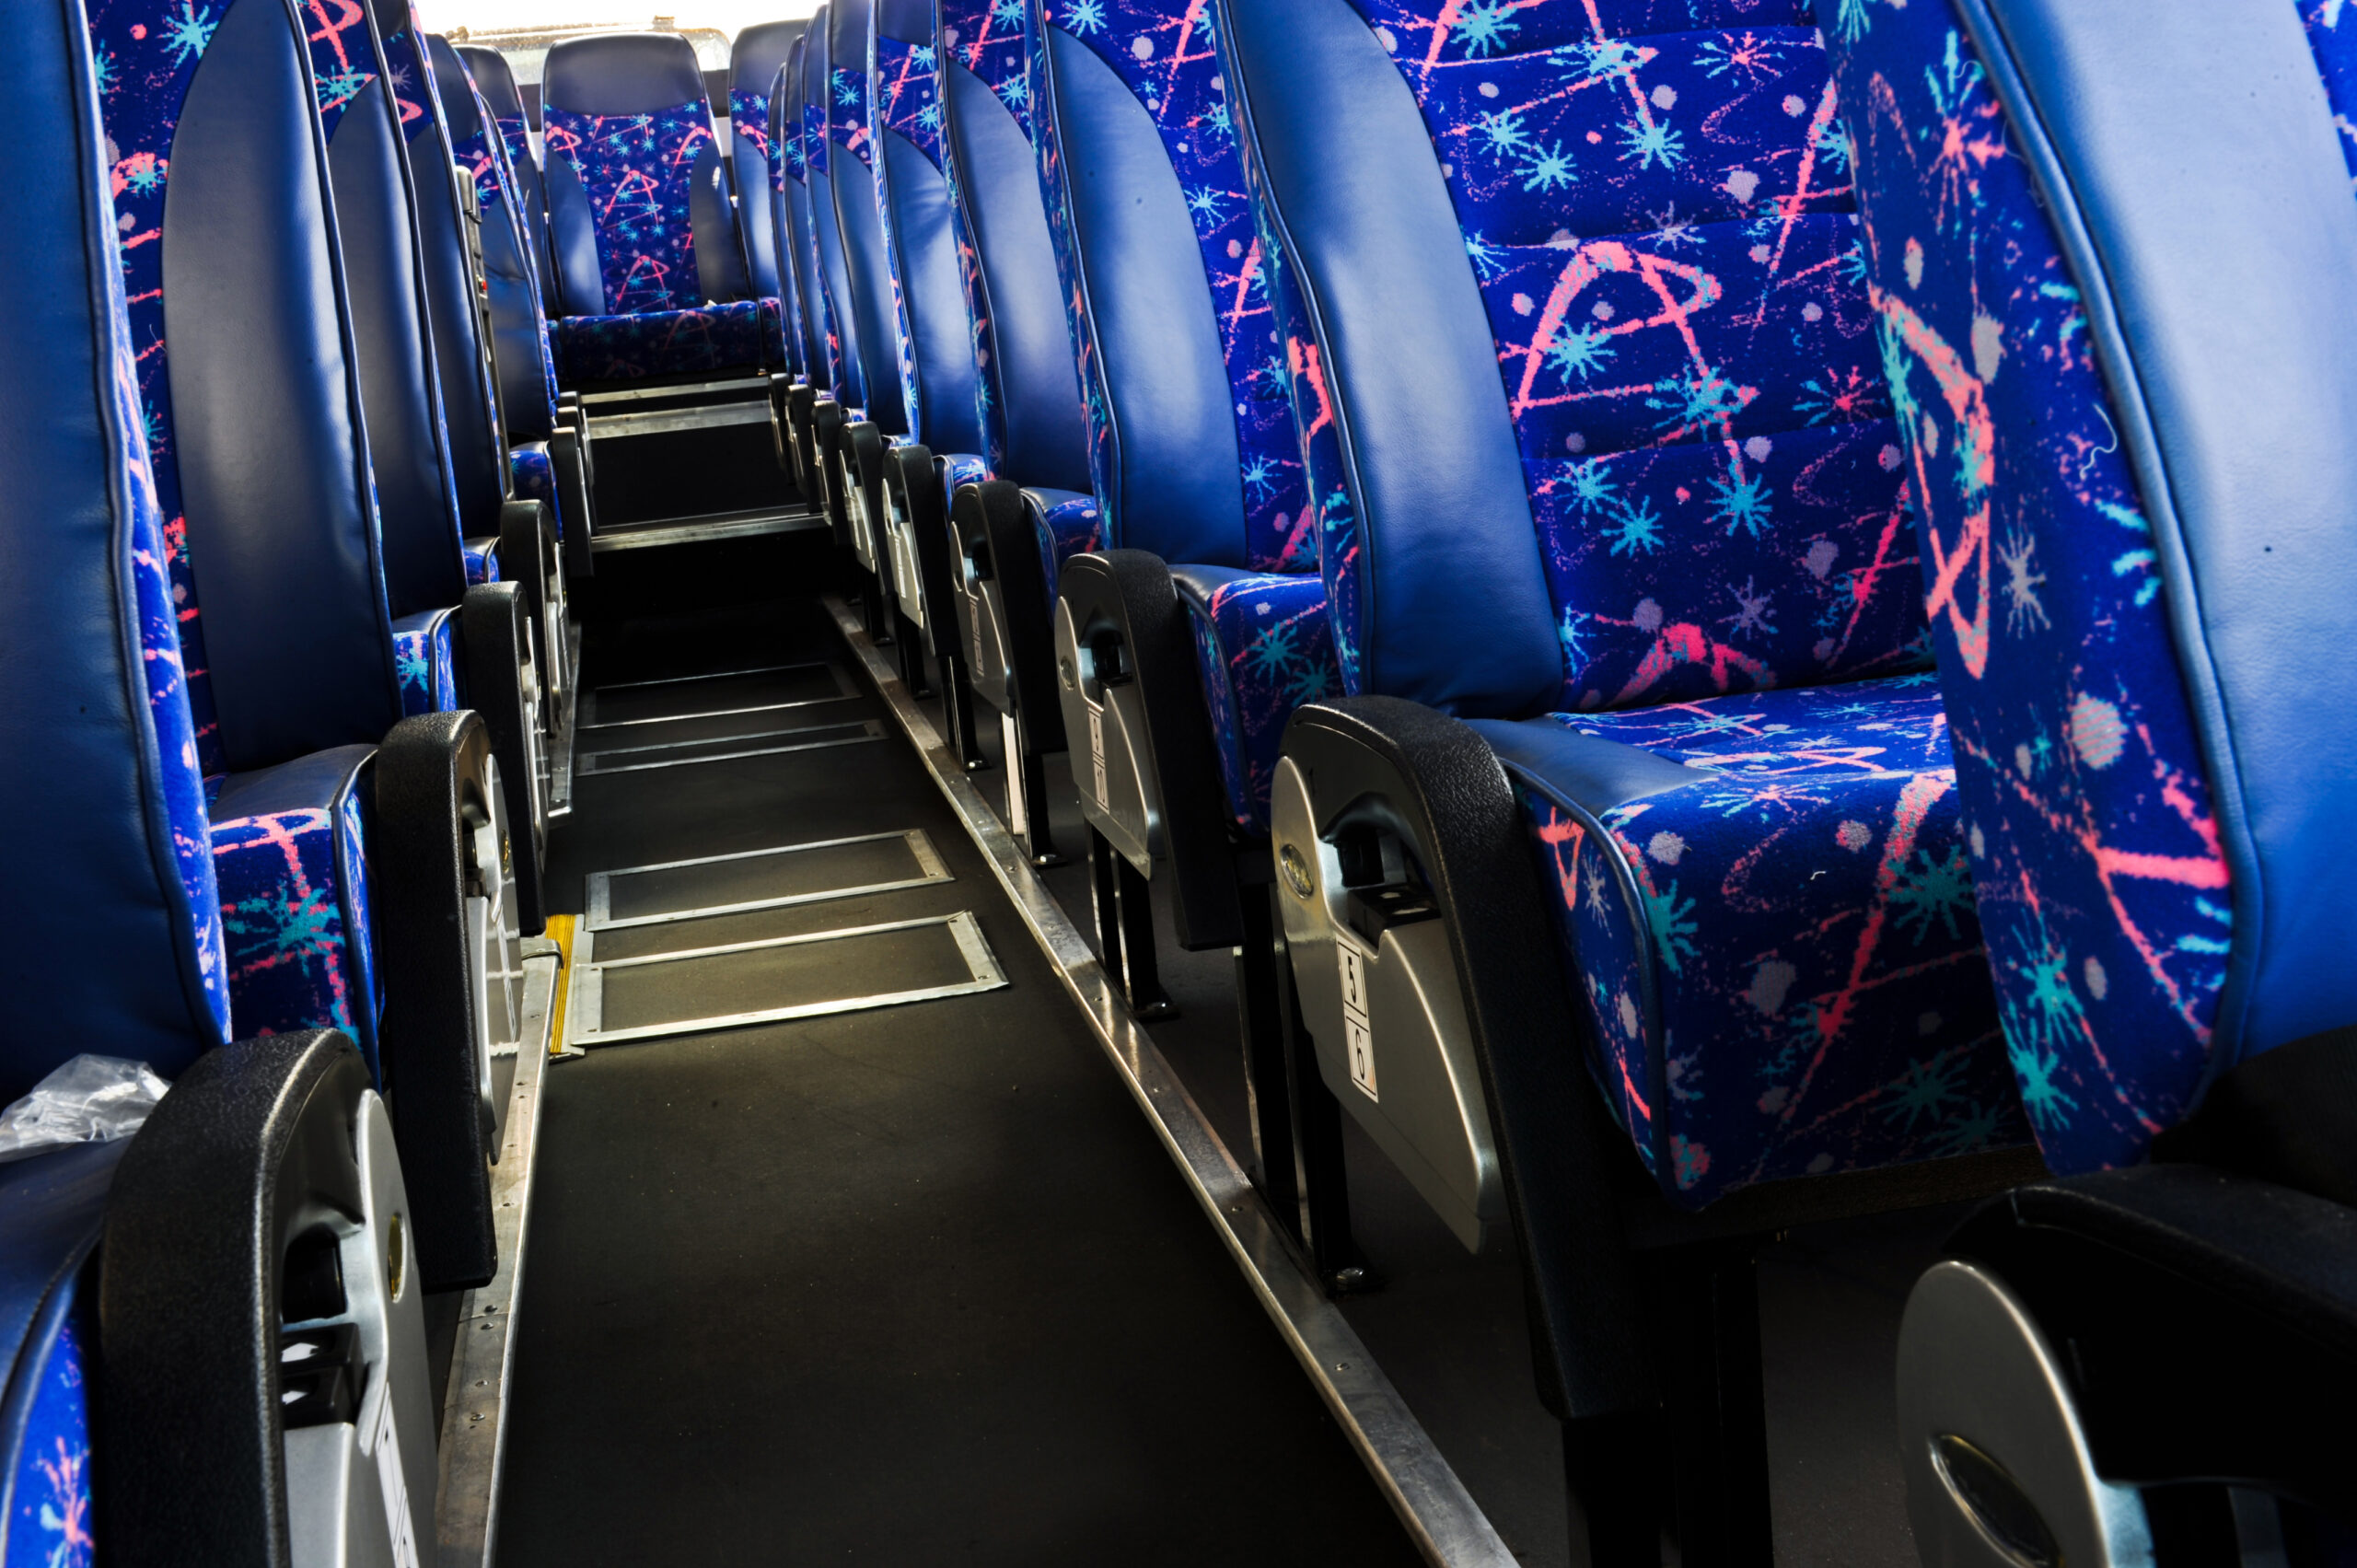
(754, 62)
(520, 356)
(937, 351)
(2118, 335)
(246, 378)
(115, 932)
(384, 271)
(636, 204)
(495, 79)
(790, 218)
(477, 438)
(822, 84)
(866, 297)
(1034, 431)
(1588, 380)
(1192, 445)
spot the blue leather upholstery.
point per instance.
(845, 362)
(936, 350)
(2149, 524)
(246, 373)
(55, 1209)
(788, 182)
(1596, 372)
(478, 438)
(117, 934)
(796, 236)
(384, 278)
(521, 354)
(1193, 451)
(1033, 429)
(497, 82)
(754, 62)
(638, 215)
(867, 297)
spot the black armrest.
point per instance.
(1125, 610)
(1401, 768)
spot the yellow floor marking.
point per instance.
(560, 932)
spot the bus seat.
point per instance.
(754, 61)
(1190, 613)
(496, 81)
(1616, 480)
(251, 413)
(2124, 405)
(650, 278)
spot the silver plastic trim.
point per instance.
(585, 1006)
(1447, 1526)
(590, 766)
(708, 527)
(747, 383)
(473, 1432)
(843, 682)
(930, 866)
(665, 421)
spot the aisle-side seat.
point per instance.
(650, 278)
(429, 566)
(1681, 920)
(903, 269)
(755, 58)
(1035, 435)
(550, 459)
(365, 883)
(1188, 615)
(495, 80)
(489, 466)
(140, 1309)
(797, 386)
(2132, 507)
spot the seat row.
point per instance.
(284, 580)
(1731, 579)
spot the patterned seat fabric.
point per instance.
(285, 664)
(642, 236)
(1683, 497)
(1027, 395)
(1171, 356)
(523, 354)
(754, 61)
(496, 82)
(860, 286)
(938, 389)
(805, 324)
(2148, 799)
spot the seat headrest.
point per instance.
(760, 52)
(629, 72)
(456, 88)
(908, 20)
(493, 79)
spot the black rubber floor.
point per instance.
(901, 1286)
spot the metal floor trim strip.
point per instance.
(1447, 1524)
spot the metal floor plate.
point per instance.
(762, 879)
(709, 696)
(776, 979)
(725, 749)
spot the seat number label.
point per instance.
(1097, 756)
(1358, 1037)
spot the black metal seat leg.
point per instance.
(1295, 1117)
(1027, 795)
(1705, 1308)
(958, 703)
(1124, 909)
(1612, 1467)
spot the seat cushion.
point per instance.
(482, 561)
(422, 652)
(1765, 903)
(743, 333)
(1066, 524)
(535, 478)
(1264, 648)
(55, 1208)
(290, 851)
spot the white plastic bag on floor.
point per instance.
(91, 1099)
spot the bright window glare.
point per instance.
(559, 16)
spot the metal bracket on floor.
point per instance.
(1441, 1516)
(473, 1434)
